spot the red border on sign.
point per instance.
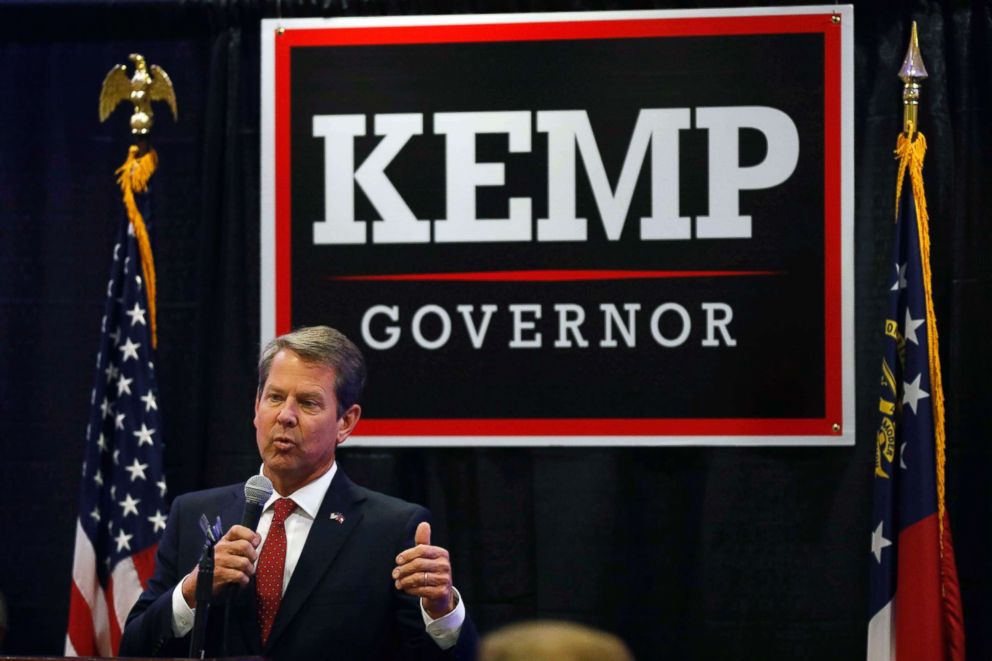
(591, 427)
(546, 31)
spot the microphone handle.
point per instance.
(249, 519)
(251, 515)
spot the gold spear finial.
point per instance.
(911, 73)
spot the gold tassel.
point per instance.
(133, 178)
(911, 155)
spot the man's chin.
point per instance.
(279, 460)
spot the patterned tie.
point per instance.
(268, 574)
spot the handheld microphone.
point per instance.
(258, 489)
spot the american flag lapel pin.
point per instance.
(337, 516)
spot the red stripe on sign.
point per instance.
(919, 616)
(81, 624)
(144, 564)
(577, 275)
(832, 225)
(595, 427)
(283, 250)
(527, 31)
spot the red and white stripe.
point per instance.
(912, 625)
(96, 616)
(881, 644)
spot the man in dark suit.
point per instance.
(334, 570)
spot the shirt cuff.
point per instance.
(182, 614)
(445, 629)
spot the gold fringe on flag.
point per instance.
(910, 154)
(133, 178)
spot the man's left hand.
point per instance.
(425, 571)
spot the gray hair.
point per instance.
(321, 345)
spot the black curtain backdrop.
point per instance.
(687, 553)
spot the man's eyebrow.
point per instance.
(310, 394)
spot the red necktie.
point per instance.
(268, 573)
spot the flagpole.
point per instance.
(911, 150)
(912, 73)
(123, 507)
(914, 598)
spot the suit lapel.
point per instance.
(326, 538)
(232, 509)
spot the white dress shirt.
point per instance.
(443, 631)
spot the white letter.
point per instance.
(519, 325)
(464, 174)
(477, 335)
(565, 129)
(721, 323)
(656, 331)
(445, 326)
(398, 224)
(392, 332)
(339, 224)
(728, 178)
(611, 318)
(570, 317)
(665, 221)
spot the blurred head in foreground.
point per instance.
(549, 640)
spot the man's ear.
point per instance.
(348, 421)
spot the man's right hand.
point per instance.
(234, 562)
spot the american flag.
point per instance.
(122, 509)
(915, 607)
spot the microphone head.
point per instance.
(258, 489)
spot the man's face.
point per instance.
(296, 423)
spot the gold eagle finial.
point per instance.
(149, 83)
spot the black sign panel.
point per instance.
(614, 231)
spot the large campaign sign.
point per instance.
(617, 228)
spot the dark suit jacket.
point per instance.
(340, 602)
